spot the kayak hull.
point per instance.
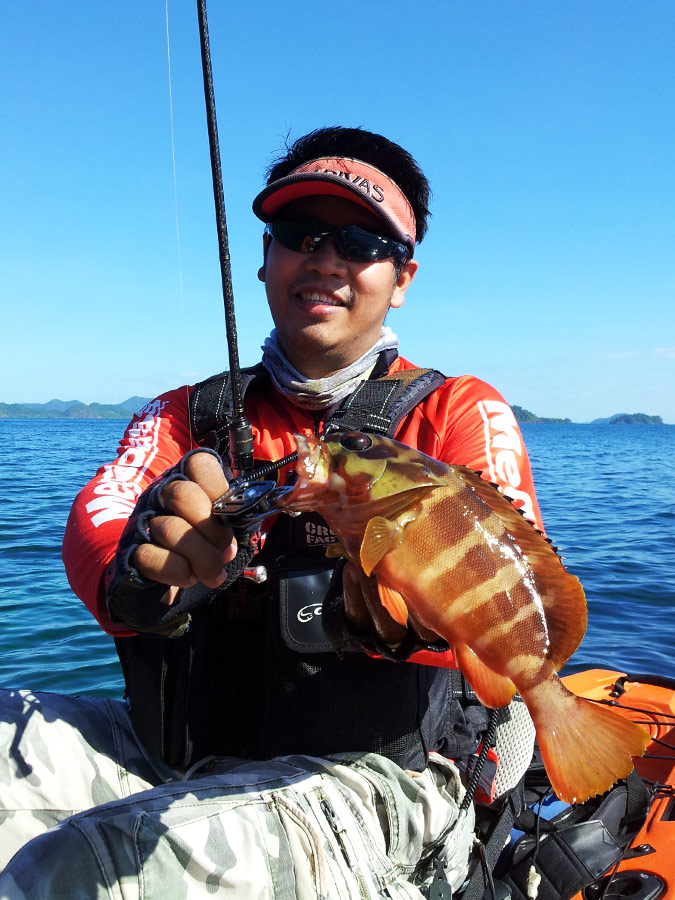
(648, 871)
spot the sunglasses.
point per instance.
(353, 243)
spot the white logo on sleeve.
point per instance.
(118, 488)
(504, 449)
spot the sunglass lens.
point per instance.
(353, 243)
(363, 246)
(294, 234)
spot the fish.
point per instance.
(444, 549)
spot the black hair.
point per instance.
(371, 148)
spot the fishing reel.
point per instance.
(248, 501)
(252, 497)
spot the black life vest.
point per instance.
(255, 676)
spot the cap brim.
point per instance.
(312, 184)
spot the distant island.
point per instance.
(73, 409)
(629, 419)
(525, 416)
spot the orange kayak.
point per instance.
(647, 871)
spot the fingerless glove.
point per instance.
(135, 601)
(345, 635)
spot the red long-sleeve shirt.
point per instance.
(463, 422)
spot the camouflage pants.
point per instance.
(346, 826)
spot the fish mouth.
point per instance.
(313, 470)
(309, 456)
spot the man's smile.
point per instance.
(320, 298)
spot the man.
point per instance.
(221, 672)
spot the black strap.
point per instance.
(460, 689)
(377, 405)
(211, 407)
(480, 878)
(364, 409)
(638, 801)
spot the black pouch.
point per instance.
(302, 590)
(580, 844)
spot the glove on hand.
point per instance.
(346, 635)
(134, 601)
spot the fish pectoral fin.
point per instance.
(393, 602)
(381, 536)
(492, 689)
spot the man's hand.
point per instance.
(363, 606)
(190, 545)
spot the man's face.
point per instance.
(328, 312)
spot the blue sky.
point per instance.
(545, 128)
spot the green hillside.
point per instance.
(73, 409)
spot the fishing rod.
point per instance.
(249, 499)
(240, 434)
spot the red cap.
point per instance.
(343, 177)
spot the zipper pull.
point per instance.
(335, 824)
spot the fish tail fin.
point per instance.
(586, 747)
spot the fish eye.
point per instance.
(354, 440)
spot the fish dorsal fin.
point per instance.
(381, 536)
(561, 592)
(564, 604)
(393, 602)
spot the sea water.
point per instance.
(607, 495)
